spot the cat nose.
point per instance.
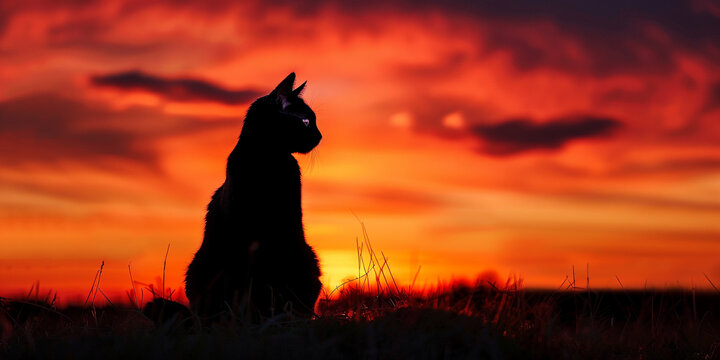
(306, 122)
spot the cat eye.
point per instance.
(306, 122)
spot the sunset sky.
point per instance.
(468, 136)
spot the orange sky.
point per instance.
(520, 139)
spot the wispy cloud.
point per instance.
(177, 89)
(519, 135)
(46, 128)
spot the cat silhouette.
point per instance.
(254, 258)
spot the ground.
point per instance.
(459, 321)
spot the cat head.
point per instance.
(282, 121)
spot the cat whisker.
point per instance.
(313, 158)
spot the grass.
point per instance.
(372, 317)
(476, 321)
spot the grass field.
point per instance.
(372, 317)
(458, 321)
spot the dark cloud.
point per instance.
(713, 99)
(43, 129)
(520, 135)
(48, 129)
(601, 54)
(179, 89)
(607, 37)
(627, 96)
(614, 36)
(497, 134)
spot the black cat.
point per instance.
(254, 259)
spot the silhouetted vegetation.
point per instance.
(371, 317)
(481, 321)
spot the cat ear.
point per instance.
(299, 89)
(284, 90)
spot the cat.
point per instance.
(254, 258)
